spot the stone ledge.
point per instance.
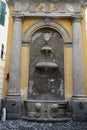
(46, 120)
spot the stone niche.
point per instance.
(46, 75)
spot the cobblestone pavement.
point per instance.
(26, 125)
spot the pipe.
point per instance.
(3, 118)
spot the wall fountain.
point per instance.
(46, 76)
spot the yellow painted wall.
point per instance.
(84, 48)
(25, 57)
(8, 52)
(24, 71)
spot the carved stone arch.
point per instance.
(63, 32)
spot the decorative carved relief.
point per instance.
(46, 72)
(50, 7)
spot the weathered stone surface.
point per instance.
(14, 76)
(46, 70)
(77, 57)
(42, 8)
(48, 110)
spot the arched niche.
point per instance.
(47, 24)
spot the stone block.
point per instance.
(13, 108)
(79, 110)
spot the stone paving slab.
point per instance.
(26, 125)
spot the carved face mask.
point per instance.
(47, 36)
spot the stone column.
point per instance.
(14, 75)
(79, 101)
(78, 72)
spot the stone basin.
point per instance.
(46, 48)
(46, 108)
(46, 65)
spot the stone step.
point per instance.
(64, 119)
